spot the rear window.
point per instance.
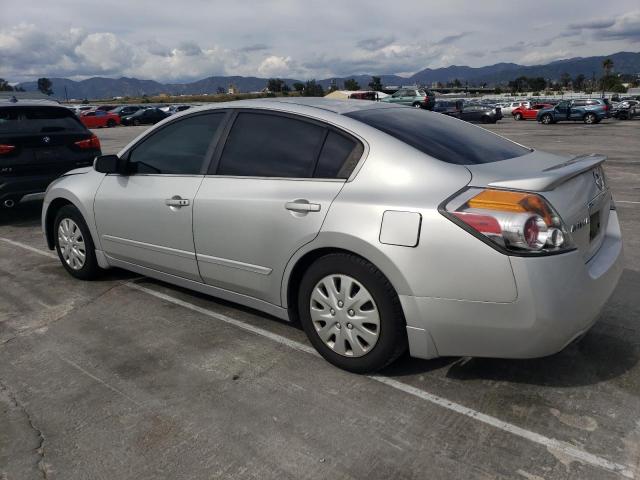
(440, 136)
(38, 120)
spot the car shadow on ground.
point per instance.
(608, 351)
(25, 214)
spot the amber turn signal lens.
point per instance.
(507, 201)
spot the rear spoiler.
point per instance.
(551, 177)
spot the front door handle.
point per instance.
(176, 202)
(302, 206)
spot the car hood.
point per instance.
(78, 171)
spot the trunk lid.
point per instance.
(574, 186)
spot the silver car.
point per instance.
(380, 228)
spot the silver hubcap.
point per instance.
(71, 243)
(344, 315)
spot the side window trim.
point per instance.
(210, 149)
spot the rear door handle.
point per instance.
(176, 202)
(302, 206)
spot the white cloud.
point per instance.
(274, 66)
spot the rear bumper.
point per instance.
(17, 187)
(559, 298)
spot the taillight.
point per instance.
(515, 222)
(4, 148)
(92, 143)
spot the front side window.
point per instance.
(265, 145)
(179, 148)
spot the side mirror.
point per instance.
(108, 164)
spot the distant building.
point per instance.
(233, 90)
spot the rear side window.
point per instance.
(265, 145)
(440, 136)
(339, 156)
(38, 120)
(179, 148)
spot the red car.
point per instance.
(524, 113)
(99, 119)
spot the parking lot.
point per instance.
(129, 378)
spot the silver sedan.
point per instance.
(380, 228)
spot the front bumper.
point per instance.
(559, 298)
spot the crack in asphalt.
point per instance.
(42, 467)
(29, 331)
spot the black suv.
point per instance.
(39, 141)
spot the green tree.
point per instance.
(220, 90)
(298, 86)
(565, 80)
(457, 83)
(607, 66)
(537, 83)
(313, 89)
(275, 85)
(44, 85)
(579, 82)
(4, 86)
(351, 84)
(375, 84)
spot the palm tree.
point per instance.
(607, 65)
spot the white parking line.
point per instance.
(29, 247)
(551, 444)
(626, 201)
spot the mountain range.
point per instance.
(499, 73)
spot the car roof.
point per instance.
(331, 105)
(10, 102)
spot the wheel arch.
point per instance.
(50, 216)
(304, 257)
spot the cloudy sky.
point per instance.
(192, 39)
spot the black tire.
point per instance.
(417, 105)
(392, 335)
(590, 118)
(90, 270)
(136, 122)
(111, 123)
(518, 116)
(546, 119)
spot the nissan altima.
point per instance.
(380, 228)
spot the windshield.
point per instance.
(440, 136)
(38, 119)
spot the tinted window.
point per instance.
(441, 136)
(262, 145)
(178, 148)
(38, 120)
(579, 103)
(339, 157)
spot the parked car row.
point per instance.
(470, 112)
(107, 116)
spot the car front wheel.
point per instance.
(546, 119)
(351, 313)
(518, 116)
(74, 244)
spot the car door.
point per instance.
(145, 217)
(562, 110)
(398, 97)
(266, 197)
(89, 119)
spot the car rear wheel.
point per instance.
(518, 116)
(351, 313)
(590, 118)
(111, 123)
(417, 105)
(74, 244)
(546, 119)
